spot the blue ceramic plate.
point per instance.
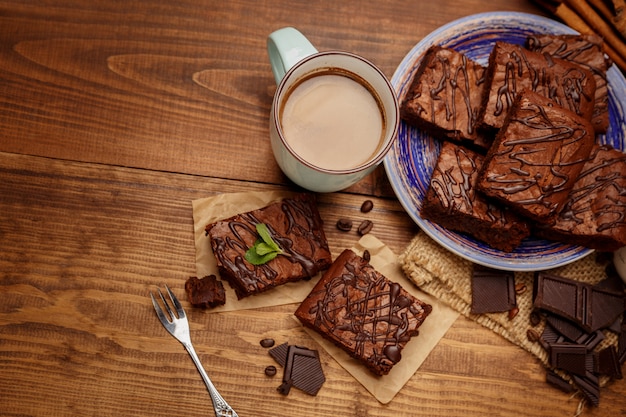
(412, 159)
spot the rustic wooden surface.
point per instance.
(114, 116)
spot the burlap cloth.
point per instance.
(447, 277)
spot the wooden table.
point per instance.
(114, 116)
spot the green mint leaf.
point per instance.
(264, 232)
(255, 258)
(264, 249)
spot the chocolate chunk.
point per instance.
(207, 292)
(569, 357)
(557, 381)
(591, 340)
(492, 291)
(267, 343)
(608, 363)
(589, 386)
(590, 307)
(621, 345)
(302, 370)
(550, 336)
(279, 353)
(565, 327)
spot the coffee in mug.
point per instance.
(334, 115)
(333, 119)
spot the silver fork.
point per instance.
(178, 326)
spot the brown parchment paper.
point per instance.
(383, 388)
(435, 326)
(223, 206)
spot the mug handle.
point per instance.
(286, 47)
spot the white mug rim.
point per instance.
(382, 152)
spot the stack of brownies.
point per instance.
(519, 153)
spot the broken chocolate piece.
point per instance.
(302, 370)
(590, 307)
(591, 340)
(608, 363)
(565, 327)
(279, 353)
(557, 381)
(590, 387)
(569, 357)
(492, 291)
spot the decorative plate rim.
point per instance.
(527, 257)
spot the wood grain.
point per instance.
(83, 244)
(164, 85)
(114, 116)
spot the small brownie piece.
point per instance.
(594, 215)
(293, 223)
(536, 157)
(207, 292)
(588, 52)
(445, 95)
(513, 68)
(452, 202)
(362, 312)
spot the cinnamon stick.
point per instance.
(600, 27)
(617, 21)
(563, 12)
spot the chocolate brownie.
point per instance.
(594, 215)
(293, 223)
(536, 157)
(586, 51)
(513, 68)
(362, 312)
(207, 292)
(445, 94)
(452, 201)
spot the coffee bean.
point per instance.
(267, 343)
(532, 335)
(345, 225)
(366, 255)
(367, 206)
(535, 318)
(365, 227)
(513, 312)
(270, 370)
(520, 288)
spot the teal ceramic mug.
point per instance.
(334, 115)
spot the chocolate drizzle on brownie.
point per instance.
(586, 51)
(536, 157)
(512, 69)
(294, 224)
(594, 214)
(452, 201)
(361, 311)
(445, 95)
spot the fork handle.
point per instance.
(221, 407)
